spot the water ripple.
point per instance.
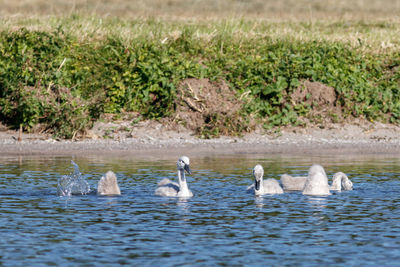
(220, 225)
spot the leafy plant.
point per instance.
(66, 82)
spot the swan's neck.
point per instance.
(336, 182)
(183, 187)
(259, 186)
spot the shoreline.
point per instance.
(340, 140)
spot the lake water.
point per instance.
(220, 225)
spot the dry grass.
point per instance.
(373, 25)
(293, 10)
(378, 37)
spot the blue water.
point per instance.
(220, 225)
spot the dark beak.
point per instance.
(257, 185)
(187, 168)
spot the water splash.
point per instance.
(73, 184)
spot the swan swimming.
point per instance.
(262, 187)
(167, 188)
(317, 182)
(340, 182)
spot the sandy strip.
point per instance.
(341, 140)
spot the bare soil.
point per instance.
(321, 98)
(314, 94)
(205, 107)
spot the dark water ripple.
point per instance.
(220, 225)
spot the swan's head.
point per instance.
(316, 170)
(258, 173)
(346, 183)
(183, 164)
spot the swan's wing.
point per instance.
(170, 189)
(286, 181)
(290, 183)
(164, 181)
(271, 186)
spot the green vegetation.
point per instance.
(66, 79)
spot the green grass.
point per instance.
(65, 72)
